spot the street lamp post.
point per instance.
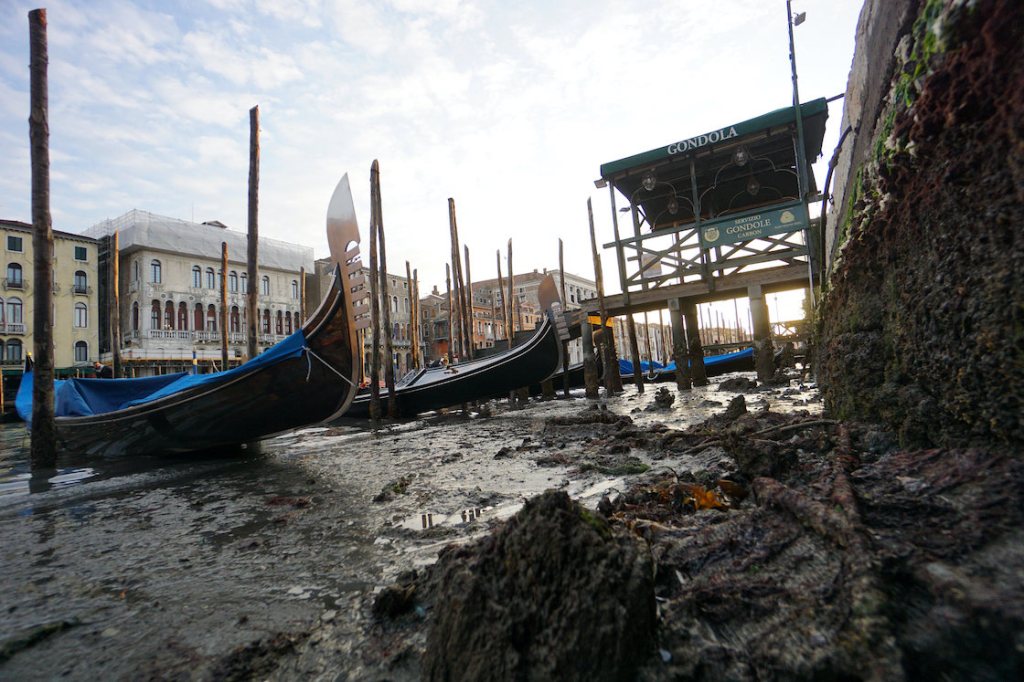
(801, 158)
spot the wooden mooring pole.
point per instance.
(413, 334)
(115, 306)
(44, 435)
(609, 358)
(389, 353)
(374, 306)
(471, 347)
(451, 310)
(565, 344)
(224, 306)
(254, 233)
(504, 306)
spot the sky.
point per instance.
(510, 108)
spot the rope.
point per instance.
(326, 364)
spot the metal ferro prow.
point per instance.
(343, 231)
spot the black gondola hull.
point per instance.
(492, 377)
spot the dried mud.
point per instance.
(265, 564)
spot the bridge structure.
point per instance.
(716, 216)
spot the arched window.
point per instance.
(198, 318)
(197, 277)
(266, 322)
(14, 311)
(183, 316)
(169, 315)
(265, 285)
(154, 315)
(245, 283)
(295, 289)
(211, 318)
(155, 272)
(395, 331)
(405, 304)
(14, 280)
(211, 279)
(295, 319)
(236, 326)
(81, 282)
(233, 281)
(288, 322)
(13, 350)
(394, 304)
(279, 324)
(81, 351)
(135, 316)
(81, 315)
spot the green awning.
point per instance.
(727, 183)
(813, 134)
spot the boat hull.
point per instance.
(314, 386)
(435, 388)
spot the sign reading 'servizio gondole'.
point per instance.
(753, 226)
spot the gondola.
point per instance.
(436, 387)
(305, 379)
(714, 365)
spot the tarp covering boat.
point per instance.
(85, 397)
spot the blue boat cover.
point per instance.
(85, 397)
(712, 360)
(626, 367)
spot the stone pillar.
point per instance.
(698, 374)
(675, 314)
(764, 353)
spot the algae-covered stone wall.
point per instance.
(922, 322)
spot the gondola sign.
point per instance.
(753, 226)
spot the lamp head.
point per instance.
(649, 181)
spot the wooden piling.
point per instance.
(389, 353)
(44, 435)
(609, 359)
(374, 305)
(589, 364)
(418, 334)
(511, 289)
(471, 347)
(504, 304)
(458, 280)
(302, 295)
(764, 353)
(565, 344)
(634, 348)
(675, 315)
(698, 374)
(115, 306)
(252, 315)
(451, 310)
(413, 337)
(224, 305)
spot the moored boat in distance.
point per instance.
(436, 387)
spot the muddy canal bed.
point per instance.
(268, 563)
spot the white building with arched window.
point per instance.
(170, 291)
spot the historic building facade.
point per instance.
(76, 318)
(170, 291)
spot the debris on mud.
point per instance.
(798, 547)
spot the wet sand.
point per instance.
(196, 568)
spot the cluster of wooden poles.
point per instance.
(459, 288)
